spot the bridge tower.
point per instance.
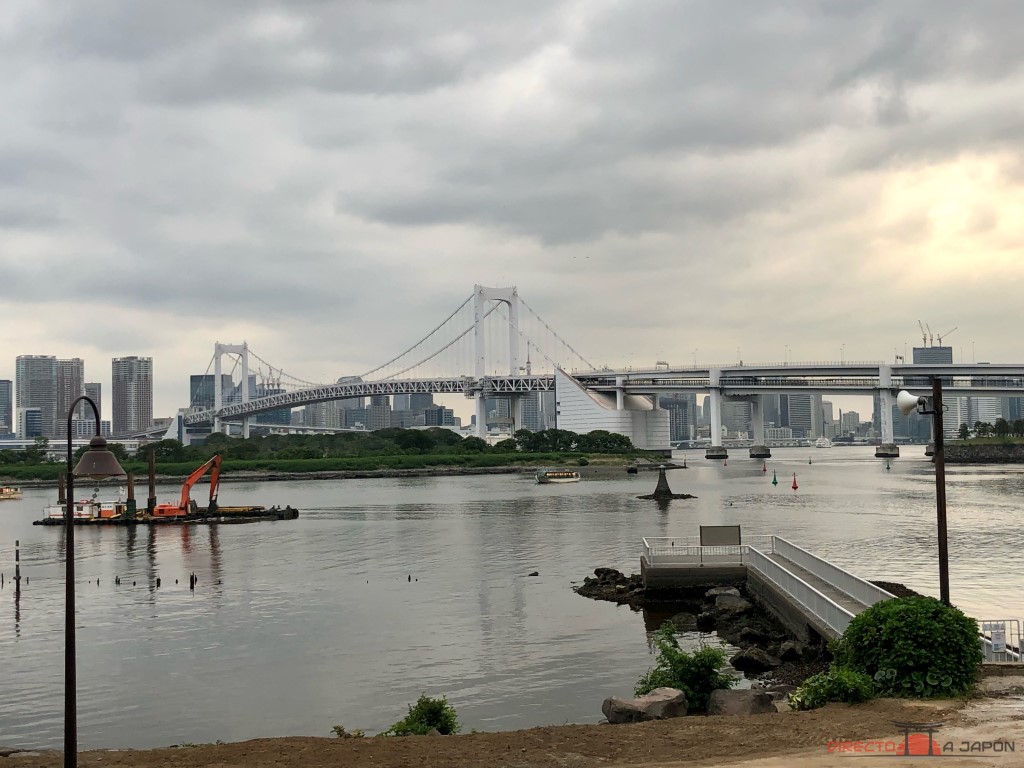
(509, 296)
(219, 350)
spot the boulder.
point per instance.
(754, 660)
(790, 651)
(659, 704)
(781, 691)
(706, 621)
(712, 594)
(749, 702)
(730, 605)
(753, 636)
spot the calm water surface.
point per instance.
(296, 626)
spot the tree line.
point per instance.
(434, 441)
(1002, 428)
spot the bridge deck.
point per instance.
(820, 584)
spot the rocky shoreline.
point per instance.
(767, 650)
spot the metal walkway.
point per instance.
(833, 593)
(827, 595)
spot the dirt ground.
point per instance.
(693, 741)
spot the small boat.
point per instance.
(9, 493)
(822, 442)
(557, 476)
(80, 510)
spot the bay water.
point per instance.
(384, 589)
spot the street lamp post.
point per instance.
(908, 402)
(97, 463)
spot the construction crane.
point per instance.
(924, 336)
(186, 506)
(941, 336)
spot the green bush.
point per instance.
(835, 684)
(424, 716)
(697, 674)
(912, 646)
(343, 733)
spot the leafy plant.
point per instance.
(342, 733)
(424, 716)
(834, 684)
(912, 646)
(697, 674)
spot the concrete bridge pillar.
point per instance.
(717, 450)
(481, 416)
(888, 449)
(758, 450)
(620, 393)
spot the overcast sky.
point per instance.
(327, 179)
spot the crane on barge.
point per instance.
(187, 506)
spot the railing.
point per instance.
(1001, 641)
(830, 613)
(682, 550)
(860, 590)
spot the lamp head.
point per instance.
(907, 402)
(98, 462)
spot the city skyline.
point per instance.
(677, 181)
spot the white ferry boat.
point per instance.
(822, 442)
(557, 476)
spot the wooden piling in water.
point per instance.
(151, 501)
(17, 567)
(62, 497)
(130, 509)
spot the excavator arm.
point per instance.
(186, 488)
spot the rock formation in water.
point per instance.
(662, 492)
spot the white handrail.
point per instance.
(860, 590)
(833, 615)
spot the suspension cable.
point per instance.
(567, 344)
(410, 349)
(442, 349)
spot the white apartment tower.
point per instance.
(132, 384)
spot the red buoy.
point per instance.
(795, 486)
(764, 468)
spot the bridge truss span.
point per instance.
(463, 385)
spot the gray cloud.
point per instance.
(334, 176)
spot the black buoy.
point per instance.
(410, 578)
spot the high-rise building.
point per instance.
(36, 387)
(439, 416)
(531, 411)
(803, 413)
(6, 406)
(30, 423)
(420, 401)
(736, 417)
(70, 386)
(200, 389)
(682, 416)
(94, 391)
(132, 384)
(379, 413)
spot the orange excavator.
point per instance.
(187, 506)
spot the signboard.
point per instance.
(998, 635)
(719, 535)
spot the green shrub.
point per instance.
(834, 684)
(912, 646)
(697, 674)
(342, 733)
(424, 716)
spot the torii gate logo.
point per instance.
(918, 741)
